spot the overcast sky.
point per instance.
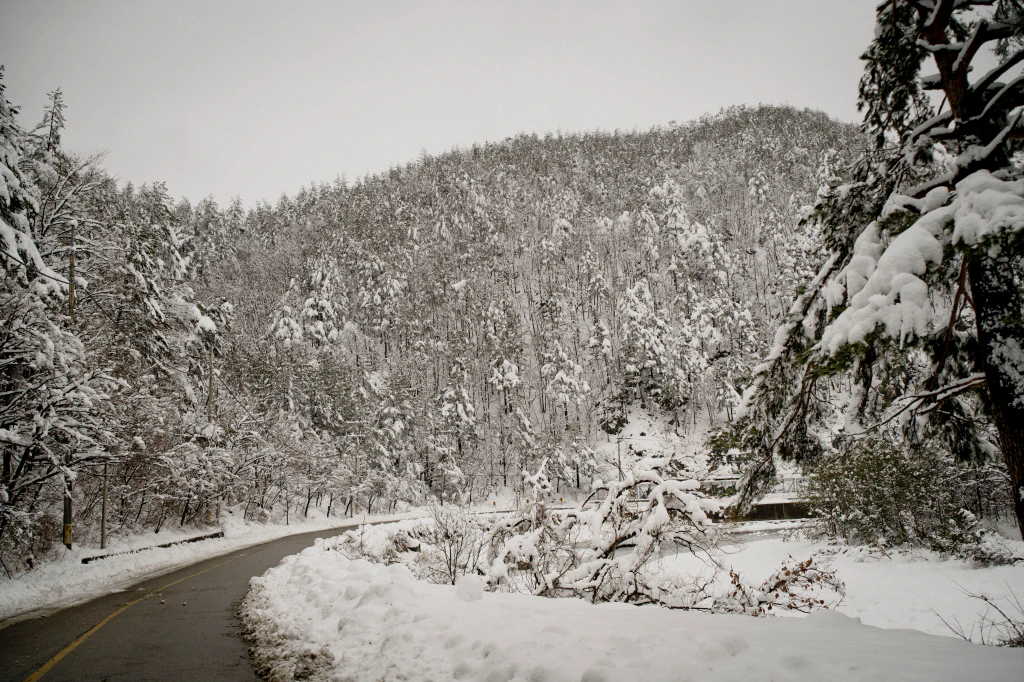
(258, 98)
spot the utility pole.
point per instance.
(354, 436)
(67, 458)
(103, 510)
(67, 508)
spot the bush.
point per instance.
(880, 490)
(440, 549)
(29, 538)
(458, 541)
(800, 586)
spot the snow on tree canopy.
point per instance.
(888, 290)
(986, 208)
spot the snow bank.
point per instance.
(322, 616)
(67, 582)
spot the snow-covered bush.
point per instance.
(795, 586)
(606, 552)
(442, 548)
(457, 541)
(610, 551)
(881, 490)
(531, 548)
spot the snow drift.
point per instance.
(322, 616)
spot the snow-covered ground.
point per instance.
(916, 590)
(67, 582)
(647, 435)
(324, 616)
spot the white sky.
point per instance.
(258, 98)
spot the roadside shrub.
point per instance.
(458, 543)
(881, 491)
(607, 551)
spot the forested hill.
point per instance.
(485, 309)
(433, 330)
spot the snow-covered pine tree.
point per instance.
(51, 412)
(925, 256)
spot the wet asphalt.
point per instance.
(189, 631)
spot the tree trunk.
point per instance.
(998, 309)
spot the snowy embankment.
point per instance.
(66, 581)
(322, 616)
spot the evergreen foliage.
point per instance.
(914, 319)
(432, 331)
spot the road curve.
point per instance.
(180, 626)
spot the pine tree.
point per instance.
(926, 253)
(53, 405)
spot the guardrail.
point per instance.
(208, 536)
(788, 484)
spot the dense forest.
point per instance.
(435, 330)
(429, 331)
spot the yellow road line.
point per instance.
(71, 647)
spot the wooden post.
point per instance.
(67, 512)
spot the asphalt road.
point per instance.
(180, 626)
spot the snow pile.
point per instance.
(377, 543)
(470, 588)
(322, 616)
(67, 582)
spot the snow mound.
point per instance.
(322, 616)
(470, 588)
